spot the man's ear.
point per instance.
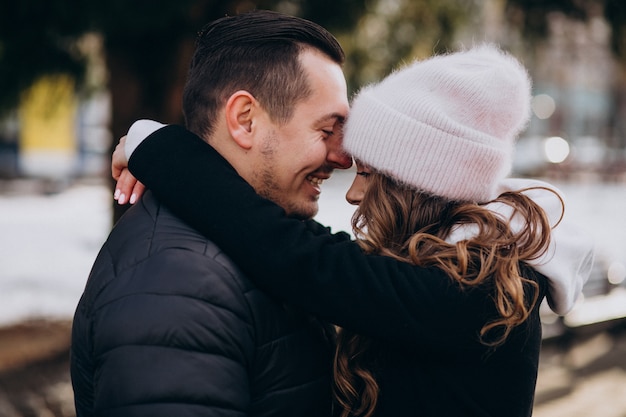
(240, 111)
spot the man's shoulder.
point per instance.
(152, 250)
(148, 230)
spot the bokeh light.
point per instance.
(556, 149)
(543, 106)
(616, 273)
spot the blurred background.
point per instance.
(74, 74)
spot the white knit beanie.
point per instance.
(446, 125)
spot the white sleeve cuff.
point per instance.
(139, 130)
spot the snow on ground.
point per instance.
(47, 246)
(48, 242)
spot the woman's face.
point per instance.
(359, 185)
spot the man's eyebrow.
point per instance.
(328, 117)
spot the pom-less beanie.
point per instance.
(446, 125)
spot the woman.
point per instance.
(437, 297)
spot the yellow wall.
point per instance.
(47, 144)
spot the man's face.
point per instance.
(298, 155)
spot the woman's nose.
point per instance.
(354, 195)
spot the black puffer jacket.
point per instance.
(168, 326)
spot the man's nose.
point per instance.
(340, 159)
(337, 157)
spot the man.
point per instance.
(167, 324)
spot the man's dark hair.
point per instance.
(258, 52)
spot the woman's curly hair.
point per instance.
(411, 226)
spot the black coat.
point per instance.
(169, 326)
(431, 361)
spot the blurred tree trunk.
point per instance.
(147, 45)
(147, 85)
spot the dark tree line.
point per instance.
(146, 45)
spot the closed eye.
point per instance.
(364, 174)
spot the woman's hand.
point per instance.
(127, 189)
